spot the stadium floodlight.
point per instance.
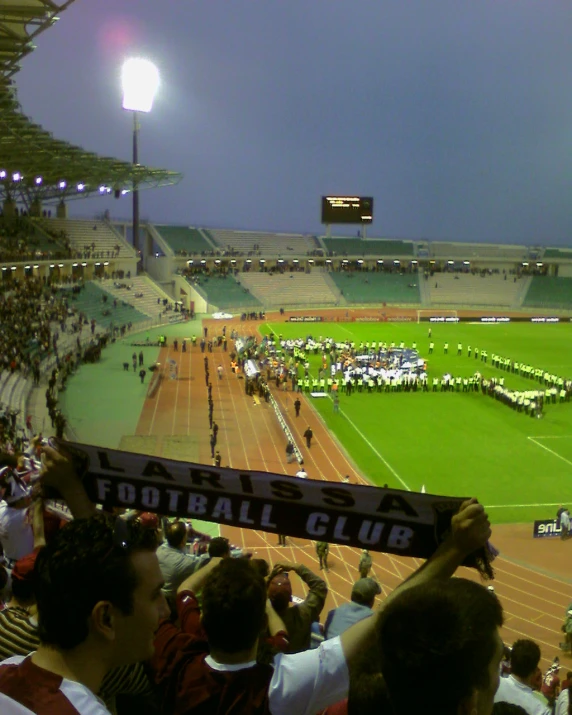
(360, 261)
(106, 263)
(84, 264)
(17, 176)
(450, 262)
(74, 265)
(2, 174)
(80, 187)
(102, 189)
(379, 261)
(60, 265)
(539, 264)
(4, 268)
(263, 261)
(27, 268)
(466, 263)
(62, 185)
(52, 265)
(217, 262)
(36, 267)
(203, 263)
(38, 180)
(13, 268)
(140, 80)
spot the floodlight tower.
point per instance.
(140, 81)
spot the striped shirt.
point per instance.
(19, 636)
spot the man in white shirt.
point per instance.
(16, 533)
(301, 473)
(525, 677)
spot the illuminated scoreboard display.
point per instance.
(347, 209)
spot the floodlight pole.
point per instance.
(135, 185)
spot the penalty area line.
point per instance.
(375, 451)
(551, 451)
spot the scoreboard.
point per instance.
(347, 209)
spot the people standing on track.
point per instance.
(281, 540)
(336, 401)
(297, 405)
(308, 434)
(219, 371)
(217, 459)
(322, 551)
(142, 374)
(365, 564)
(141, 358)
(212, 440)
(289, 452)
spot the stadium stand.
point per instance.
(558, 253)
(290, 289)
(474, 289)
(225, 293)
(549, 292)
(368, 247)
(21, 240)
(250, 243)
(140, 292)
(89, 239)
(446, 250)
(185, 240)
(90, 302)
(371, 287)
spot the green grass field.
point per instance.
(462, 444)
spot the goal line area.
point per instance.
(437, 316)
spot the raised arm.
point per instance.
(470, 530)
(58, 472)
(195, 581)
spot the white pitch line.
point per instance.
(373, 449)
(543, 446)
(517, 506)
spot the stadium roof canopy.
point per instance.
(33, 164)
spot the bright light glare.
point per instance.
(16, 177)
(140, 81)
(62, 184)
(80, 187)
(38, 180)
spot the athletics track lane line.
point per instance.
(509, 614)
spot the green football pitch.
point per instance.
(459, 444)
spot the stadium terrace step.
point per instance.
(549, 292)
(184, 240)
(290, 289)
(371, 287)
(268, 244)
(84, 234)
(469, 289)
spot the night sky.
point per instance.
(456, 115)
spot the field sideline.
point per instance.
(459, 443)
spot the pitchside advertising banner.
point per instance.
(547, 528)
(392, 521)
(494, 319)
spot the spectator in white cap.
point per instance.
(302, 473)
(363, 596)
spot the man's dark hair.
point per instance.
(524, 658)
(219, 546)
(233, 606)
(87, 561)
(175, 533)
(445, 632)
(508, 709)
(24, 590)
